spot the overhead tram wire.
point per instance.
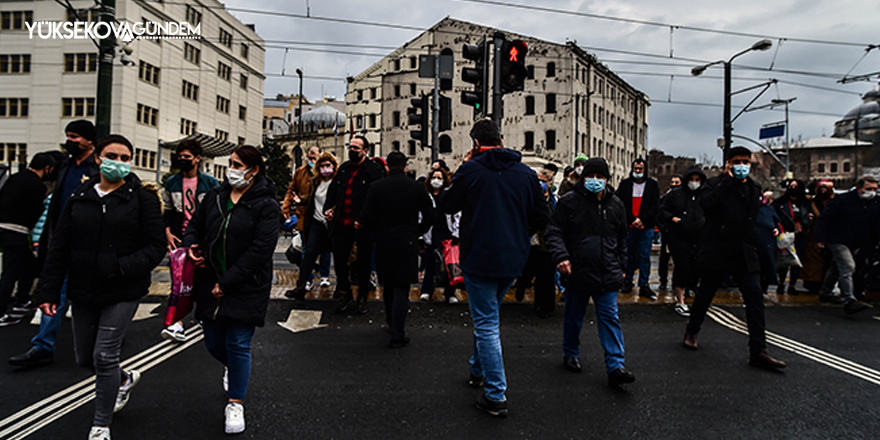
(781, 81)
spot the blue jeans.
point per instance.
(610, 333)
(49, 325)
(230, 343)
(484, 299)
(638, 247)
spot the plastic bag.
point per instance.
(452, 261)
(180, 303)
(786, 254)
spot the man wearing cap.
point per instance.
(640, 195)
(571, 179)
(78, 168)
(21, 204)
(728, 245)
(586, 238)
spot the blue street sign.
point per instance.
(772, 131)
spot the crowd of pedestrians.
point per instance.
(95, 233)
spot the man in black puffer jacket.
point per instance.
(586, 238)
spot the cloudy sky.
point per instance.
(685, 116)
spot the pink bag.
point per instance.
(452, 261)
(180, 303)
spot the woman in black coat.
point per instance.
(232, 237)
(109, 237)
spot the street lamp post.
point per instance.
(299, 127)
(785, 102)
(697, 71)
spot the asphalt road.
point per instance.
(341, 381)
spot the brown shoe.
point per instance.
(690, 341)
(763, 360)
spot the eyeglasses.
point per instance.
(114, 156)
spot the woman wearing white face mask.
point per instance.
(109, 237)
(232, 238)
(445, 228)
(314, 223)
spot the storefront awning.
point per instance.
(211, 146)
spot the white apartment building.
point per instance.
(210, 88)
(571, 104)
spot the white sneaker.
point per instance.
(325, 282)
(425, 297)
(226, 380)
(453, 299)
(308, 286)
(125, 390)
(683, 310)
(99, 433)
(234, 418)
(174, 332)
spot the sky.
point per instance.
(685, 118)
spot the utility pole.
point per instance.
(299, 127)
(728, 125)
(104, 96)
(435, 112)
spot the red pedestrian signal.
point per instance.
(513, 66)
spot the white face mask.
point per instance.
(868, 195)
(579, 170)
(436, 183)
(236, 178)
(694, 185)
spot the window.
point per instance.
(219, 172)
(148, 73)
(193, 16)
(530, 141)
(190, 90)
(80, 62)
(144, 159)
(396, 65)
(821, 167)
(551, 70)
(395, 119)
(15, 107)
(395, 146)
(82, 16)
(224, 71)
(397, 91)
(243, 81)
(222, 104)
(847, 167)
(15, 20)
(191, 54)
(412, 89)
(360, 95)
(9, 152)
(222, 135)
(225, 38)
(550, 137)
(413, 64)
(147, 115)
(77, 107)
(359, 121)
(531, 72)
(187, 127)
(242, 112)
(244, 50)
(530, 105)
(373, 93)
(241, 140)
(832, 167)
(372, 121)
(146, 22)
(551, 103)
(445, 144)
(411, 146)
(15, 63)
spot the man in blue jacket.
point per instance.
(502, 206)
(848, 225)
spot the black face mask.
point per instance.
(73, 148)
(51, 175)
(823, 195)
(354, 156)
(182, 164)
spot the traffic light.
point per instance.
(445, 120)
(513, 66)
(478, 76)
(418, 115)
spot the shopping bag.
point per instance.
(786, 254)
(294, 252)
(180, 303)
(452, 261)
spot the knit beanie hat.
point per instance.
(581, 158)
(596, 165)
(83, 128)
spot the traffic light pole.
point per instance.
(104, 95)
(497, 96)
(435, 111)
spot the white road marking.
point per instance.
(146, 311)
(877, 318)
(730, 321)
(302, 320)
(50, 409)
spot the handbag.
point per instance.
(180, 303)
(294, 252)
(452, 261)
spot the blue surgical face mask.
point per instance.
(114, 170)
(311, 164)
(741, 171)
(594, 185)
(638, 176)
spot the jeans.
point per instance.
(49, 325)
(98, 333)
(845, 262)
(749, 285)
(396, 300)
(18, 268)
(610, 332)
(638, 246)
(230, 343)
(484, 299)
(315, 246)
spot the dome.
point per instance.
(865, 109)
(324, 116)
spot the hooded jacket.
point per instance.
(850, 221)
(174, 198)
(684, 203)
(650, 200)
(591, 234)
(105, 246)
(501, 207)
(251, 236)
(729, 239)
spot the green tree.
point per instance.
(277, 165)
